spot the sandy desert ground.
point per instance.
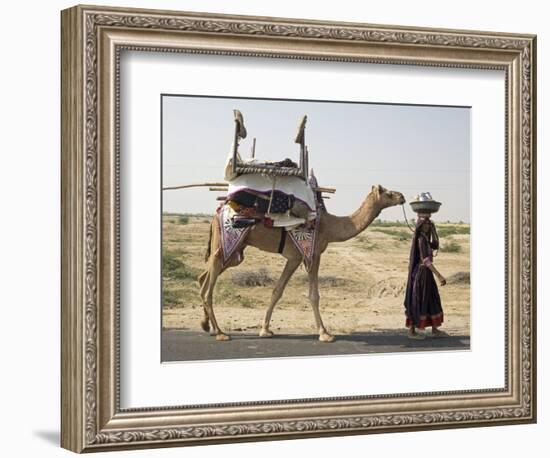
(362, 282)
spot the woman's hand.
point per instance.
(442, 280)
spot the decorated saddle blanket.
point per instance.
(232, 236)
(303, 238)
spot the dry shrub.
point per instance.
(326, 280)
(459, 277)
(249, 278)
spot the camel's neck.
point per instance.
(342, 228)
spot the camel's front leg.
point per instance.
(314, 297)
(290, 267)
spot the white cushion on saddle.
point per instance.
(285, 220)
(261, 183)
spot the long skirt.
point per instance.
(423, 309)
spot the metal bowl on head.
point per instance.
(425, 206)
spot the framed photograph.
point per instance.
(278, 228)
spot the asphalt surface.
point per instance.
(183, 345)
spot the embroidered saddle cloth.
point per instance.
(232, 236)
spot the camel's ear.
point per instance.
(377, 190)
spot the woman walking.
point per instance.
(422, 302)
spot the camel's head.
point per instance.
(387, 198)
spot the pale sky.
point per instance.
(352, 146)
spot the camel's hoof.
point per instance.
(326, 338)
(205, 325)
(222, 337)
(266, 333)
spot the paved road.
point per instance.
(182, 345)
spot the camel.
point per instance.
(331, 229)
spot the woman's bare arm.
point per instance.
(423, 244)
(440, 277)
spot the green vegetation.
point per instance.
(170, 298)
(362, 242)
(382, 223)
(183, 219)
(174, 269)
(245, 302)
(228, 293)
(393, 228)
(450, 247)
(452, 229)
(399, 234)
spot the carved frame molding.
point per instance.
(92, 39)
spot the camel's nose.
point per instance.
(402, 199)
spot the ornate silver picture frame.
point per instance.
(93, 39)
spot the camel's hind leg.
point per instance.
(207, 282)
(205, 322)
(290, 267)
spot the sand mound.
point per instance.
(385, 288)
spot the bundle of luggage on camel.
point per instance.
(277, 194)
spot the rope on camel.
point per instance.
(406, 220)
